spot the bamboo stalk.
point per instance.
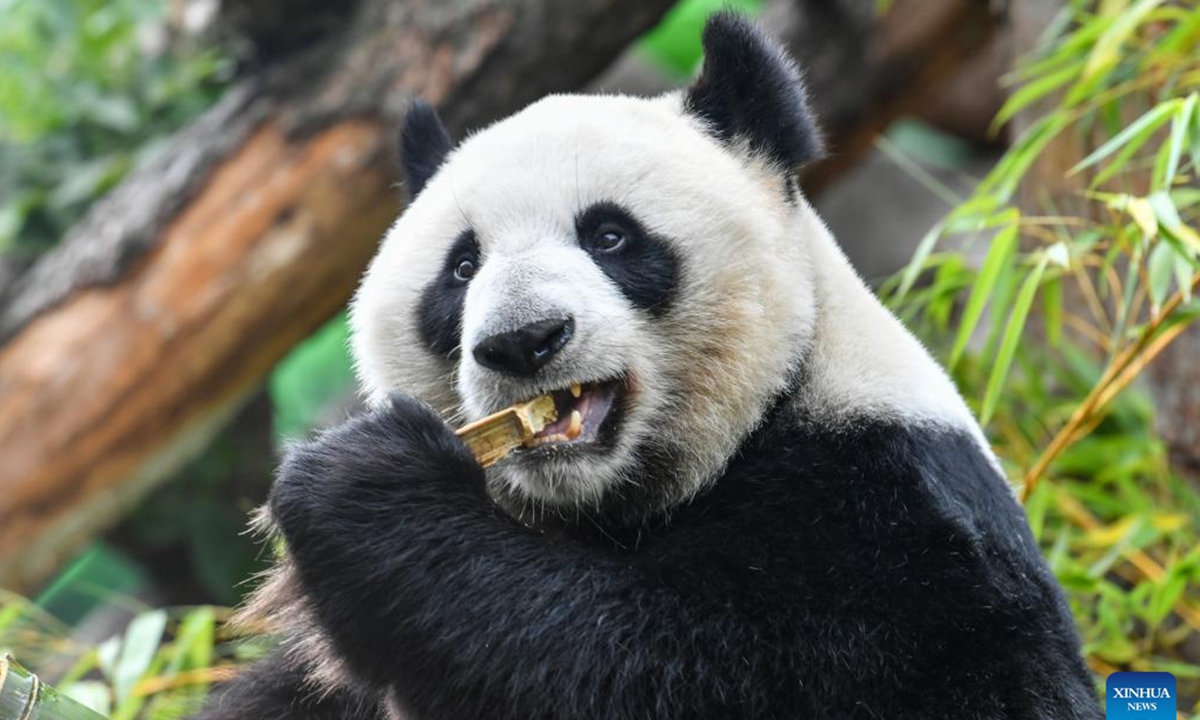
(23, 696)
(495, 436)
(1114, 379)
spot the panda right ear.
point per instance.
(424, 145)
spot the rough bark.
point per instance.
(131, 344)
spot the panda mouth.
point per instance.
(583, 410)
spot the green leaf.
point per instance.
(91, 693)
(1185, 197)
(1139, 131)
(1184, 272)
(1001, 253)
(1182, 39)
(1142, 212)
(1052, 304)
(1178, 669)
(1166, 594)
(1166, 215)
(1012, 336)
(113, 112)
(1107, 51)
(194, 642)
(1002, 181)
(1160, 270)
(141, 642)
(1194, 144)
(1071, 46)
(1179, 128)
(1032, 91)
(12, 217)
(674, 44)
(908, 276)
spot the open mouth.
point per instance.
(583, 411)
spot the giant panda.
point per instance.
(776, 504)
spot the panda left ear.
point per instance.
(750, 90)
(424, 145)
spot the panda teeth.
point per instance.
(576, 425)
(576, 390)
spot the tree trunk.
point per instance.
(131, 344)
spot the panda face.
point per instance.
(607, 250)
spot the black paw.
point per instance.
(375, 468)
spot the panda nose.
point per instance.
(524, 350)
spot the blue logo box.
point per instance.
(1140, 696)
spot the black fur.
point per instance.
(424, 145)
(868, 572)
(439, 316)
(646, 270)
(750, 90)
(275, 689)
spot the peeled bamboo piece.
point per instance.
(25, 697)
(495, 436)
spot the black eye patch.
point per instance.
(641, 263)
(439, 316)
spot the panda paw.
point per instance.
(378, 467)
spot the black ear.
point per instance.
(750, 90)
(424, 145)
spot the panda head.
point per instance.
(635, 257)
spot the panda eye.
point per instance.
(464, 269)
(609, 239)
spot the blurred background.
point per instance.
(189, 190)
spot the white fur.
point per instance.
(864, 363)
(763, 288)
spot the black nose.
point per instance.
(524, 350)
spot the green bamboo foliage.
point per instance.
(159, 667)
(1059, 397)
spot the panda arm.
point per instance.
(427, 588)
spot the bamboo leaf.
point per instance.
(1185, 197)
(1002, 181)
(1052, 304)
(92, 694)
(913, 270)
(1143, 214)
(1032, 91)
(1001, 253)
(1012, 336)
(1140, 130)
(1184, 272)
(1072, 46)
(1183, 37)
(1179, 127)
(1160, 270)
(141, 641)
(1167, 215)
(1194, 145)
(1167, 593)
(194, 641)
(1107, 51)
